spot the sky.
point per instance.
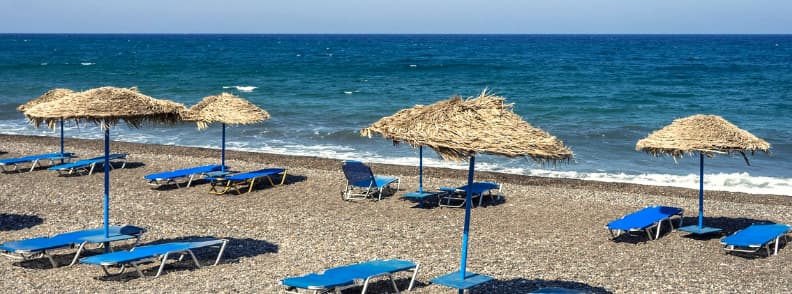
(398, 16)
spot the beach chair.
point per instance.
(756, 237)
(43, 246)
(88, 165)
(35, 161)
(339, 278)
(223, 184)
(154, 253)
(362, 183)
(644, 220)
(455, 197)
(171, 177)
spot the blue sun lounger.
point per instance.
(644, 220)
(88, 165)
(478, 190)
(343, 277)
(35, 160)
(756, 237)
(171, 177)
(153, 253)
(362, 183)
(235, 181)
(41, 247)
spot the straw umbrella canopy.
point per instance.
(708, 135)
(462, 128)
(225, 109)
(106, 106)
(50, 95)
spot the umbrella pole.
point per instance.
(468, 201)
(222, 152)
(420, 169)
(61, 141)
(701, 191)
(107, 186)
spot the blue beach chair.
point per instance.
(339, 278)
(150, 253)
(644, 220)
(35, 160)
(88, 165)
(756, 237)
(455, 197)
(41, 247)
(235, 181)
(171, 177)
(362, 183)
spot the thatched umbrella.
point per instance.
(462, 128)
(708, 135)
(226, 109)
(106, 106)
(50, 95)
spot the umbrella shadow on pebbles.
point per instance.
(235, 250)
(728, 225)
(15, 222)
(521, 285)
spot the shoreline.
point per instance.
(331, 164)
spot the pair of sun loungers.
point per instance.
(42, 247)
(748, 240)
(221, 181)
(81, 166)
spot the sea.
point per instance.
(599, 94)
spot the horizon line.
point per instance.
(429, 34)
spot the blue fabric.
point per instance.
(255, 174)
(31, 158)
(65, 239)
(643, 218)
(183, 172)
(346, 275)
(86, 162)
(756, 235)
(454, 280)
(143, 252)
(360, 175)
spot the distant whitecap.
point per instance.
(246, 89)
(87, 63)
(348, 92)
(413, 65)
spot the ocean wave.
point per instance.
(87, 63)
(246, 89)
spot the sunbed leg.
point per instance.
(660, 227)
(220, 254)
(197, 264)
(415, 273)
(162, 265)
(283, 178)
(270, 181)
(252, 183)
(140, 272)
(778, 239)
(52, 260)
(189, 182)
(92, 168)
(390, 277)
(33, 166)
(649, 233)
(77, 255)
(365, 285)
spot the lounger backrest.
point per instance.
(358, 174)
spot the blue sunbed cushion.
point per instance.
(30, 158)
(755, 235)
(184, 172)
(478, 188)
(86, 162)
(644, 218)
(348, 274)
(143, 252)
(255, 174)
(65, 239)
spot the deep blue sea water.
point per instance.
(598, 93)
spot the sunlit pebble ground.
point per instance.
(546, 233)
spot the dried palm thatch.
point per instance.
(224, 108)
(106, 106)
(50, 95)
(458, 128)
(708, 134)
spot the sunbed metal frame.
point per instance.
(364, 282)
(163, 258)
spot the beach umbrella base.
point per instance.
(695, 229)
(454, 280)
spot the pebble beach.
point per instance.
(547, 232)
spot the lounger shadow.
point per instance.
(14, 222)
(521, 285)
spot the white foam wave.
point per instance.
(246, 89)
(87, 63)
